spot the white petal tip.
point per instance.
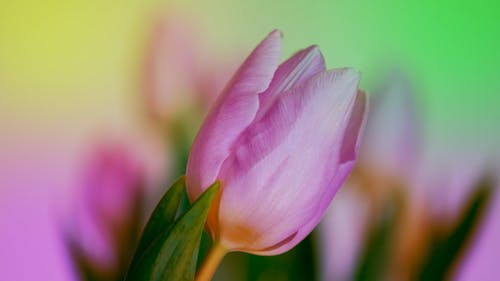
(351, 72)
(276, 33)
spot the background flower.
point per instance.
(104, 225)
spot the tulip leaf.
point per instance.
(172, 254)
(448, 249)
(180, 132)
(162, 217)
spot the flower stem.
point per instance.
(211, 262)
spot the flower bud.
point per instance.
(281, 139)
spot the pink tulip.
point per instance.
(111, 191)
(179, 76)
(391, 145)
(112, 182)
(341, 234)
(281, 139)
(170, 69)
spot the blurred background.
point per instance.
(89, 84)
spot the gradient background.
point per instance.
(70, 73)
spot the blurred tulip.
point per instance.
(342, 232)
(388, 164)
(439, 225)
(281, 139)
(390, 150)
(177, 77)
(445, 181)
(170, 69)
(180, 82)
(108, 213)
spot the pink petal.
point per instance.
(287, 161)
(481, 260)
(348, 153)
(297, 69)
(233, 112)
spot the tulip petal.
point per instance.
(295, 147)
(297, 69)
(348, 153)
(233, 112)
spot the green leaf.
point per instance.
(173, 253)
(448, 249)
(181, 133)
(161, 219)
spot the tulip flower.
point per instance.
(281, 139)
(108, 212)
(390, 149)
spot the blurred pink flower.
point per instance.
(341, 234)
(112, 182)
(109, 206)
(281, 139)
(178, 77)
(445, 181)
(391, 144)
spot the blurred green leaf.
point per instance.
(173, 253)
(447, 249)
(376, 254)
(297, 264)
(127, 238)
(180, 133)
